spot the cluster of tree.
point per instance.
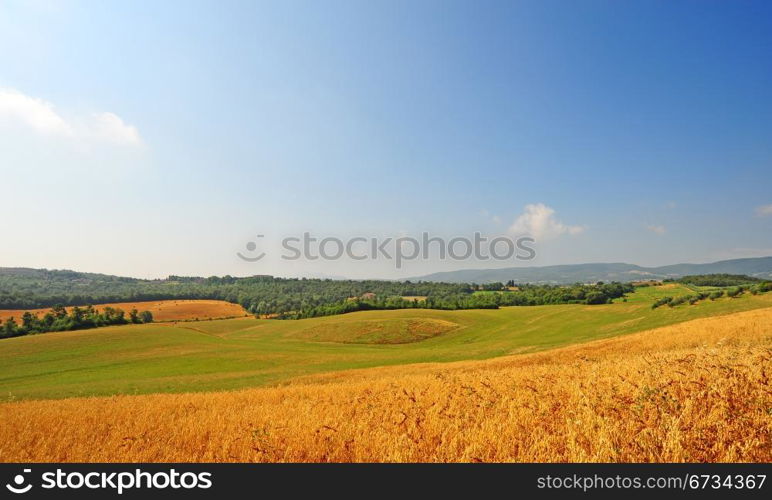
(536, 295)
(730, 292)
(78, 318)
(691, 299)
(763, 287)
(648, 283)
(493, 287)
(526, 295)
(718, 280)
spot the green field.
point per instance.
(237, 353)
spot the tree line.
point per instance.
(286, 297)
(718, 280)
(524, 295)
(731, 292)
(58, 320)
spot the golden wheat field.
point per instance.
(163, 310)
(693, 392)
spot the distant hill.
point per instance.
(589, 273)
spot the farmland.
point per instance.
(690, 392)
(162, 310)
(246, 352)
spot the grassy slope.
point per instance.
(239, 353)
(691, 392)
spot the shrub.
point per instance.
(661, 302)
(679, 300)
(596, 298)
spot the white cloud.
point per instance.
(109, 127)
(764, 210)
(36, 114)
(657, 229)
(538, 220)
(18, 110)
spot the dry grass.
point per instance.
(163, 310)
(393, 331)
(695, 392)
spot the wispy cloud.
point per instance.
(18, 110)
(539, 221)
(657, 229)
(492, 217)
(110, 127)
(764, 210)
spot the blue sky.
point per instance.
(155, 138)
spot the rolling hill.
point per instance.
(692, 392)
(248, 352)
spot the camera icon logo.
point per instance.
(251, 247)
(17, 485)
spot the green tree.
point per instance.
(77, 315)
(29, 321)
(10, 327)
(595, 297)
(59, 312)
